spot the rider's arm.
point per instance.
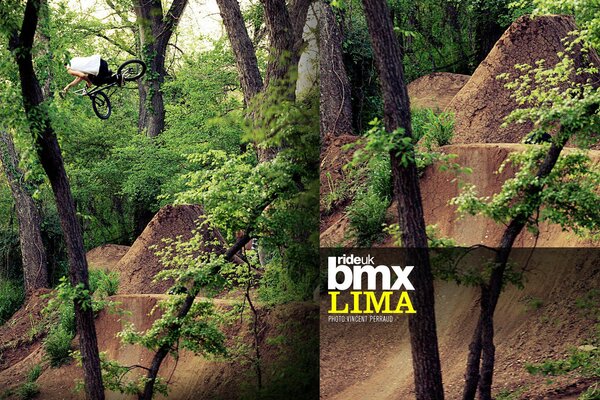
(70, 85)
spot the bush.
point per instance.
(104, 284)
(28, 390)
(431, 129)
(58, 346)
(367, 215)
(12, 295)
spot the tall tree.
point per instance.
(156, 28)
(33, 254)
(335, 106)
(21, 41)
(405, 180)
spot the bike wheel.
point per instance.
(132, 70)
(101, 104)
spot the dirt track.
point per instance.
(373, 362)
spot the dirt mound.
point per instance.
(482, 104)
(373, 360)
(139, 266)
(19, 339)
(106, 256)
(435, 90)
(438, 187)
(334, 180)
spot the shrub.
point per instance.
(431, 129)
(58, 346)
(28, 390)
(12, 295)
(367, 215)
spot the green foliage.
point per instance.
(533, 303)
(12, 295)
(587, 363)
(34, 373)
(57, 346)
(60, 312)
(27, 391)
(592, 393)
(366, 215)
(431, 129)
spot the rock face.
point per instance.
(435, 90)
(481, 106)
(139, 266)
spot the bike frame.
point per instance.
(108, 89)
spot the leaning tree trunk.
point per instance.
(50, 157)
(33, 254)
(490, 292)
(422, 327)
(335, 106)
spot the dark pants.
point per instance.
(104, 76)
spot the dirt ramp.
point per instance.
(191, 376)
(435, 90)
(139, 266)
(483, 103)
(106, 257)
(437, 188)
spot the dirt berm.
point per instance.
(481, 106)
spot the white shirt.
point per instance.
(87, 65)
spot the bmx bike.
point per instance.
(130, 70)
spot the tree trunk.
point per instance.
(243, 49)
(50, 157)
(156, 29)
(282, 52)
(335, 108)
(422, 327)
(472, 374)
(33, 254)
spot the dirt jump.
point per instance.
(481, 106)
(21, 345)
(545, 320)
(435, 90)
(140, 264)
(373, 360)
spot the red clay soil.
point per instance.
(437, 188)
(372, 361)
(106, 257)
(482, 104)
(435, 90)
(140, 264)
